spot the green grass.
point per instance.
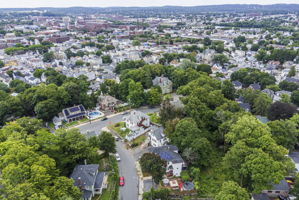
(74, 123)
(117, 128)
(154, 118)
(139, 140)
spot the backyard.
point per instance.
(120, 129)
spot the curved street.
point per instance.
(126, 166)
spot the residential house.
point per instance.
(169, 153)
(260, 197)
(106, 102)
(138, 123)
(157, 137)
(278, 190)
(237, 85)
(255, 86)
(295, 158)
(164, 83)
(242, 104)
(74, 113)
(89, 180)
(269, 92)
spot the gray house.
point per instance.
(89, 180)
(157, 137)
(164, 83)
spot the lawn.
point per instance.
(74, 123)
(117, 128)
(139, 140)
(154, 118)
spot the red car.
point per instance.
(121, 181)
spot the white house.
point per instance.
(169, 153)
(138, 123)
(157, 137)
(164, 83)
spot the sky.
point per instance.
(141, 3)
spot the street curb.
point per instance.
(139, 173)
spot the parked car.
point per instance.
(121, 181)
(125, 113)
(105, 118)
(117, 157)
(116, 138)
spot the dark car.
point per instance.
(105, 118)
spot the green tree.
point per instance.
(136, 94)
(79, 63)
(288, 86)
(228, 90)
(136, 43)
(162, 194)
(2, 64)
(204, 68)
(154, 97)
(285, 98)
(284, 133)
(249, 162)
(207, 41)
(232, 191)
(295, 97)
(152, 164)
(220, 59)
(107, 143)
(261, 104)
(292, 72)
(47, 109)
(48, 57)
(106, 59)
(38, 73)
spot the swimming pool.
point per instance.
(95, 114)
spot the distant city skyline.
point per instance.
(128, 3)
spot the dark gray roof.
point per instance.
(86, 194)
(295, 156)
(281, 186)
(255, 86)
(99, 179)
(237, 83)
(84, 175)
(292, 80)
(260, 197)
(158, 133)
(245, 106)
(188, 185)
(168, 153)
(262, 119)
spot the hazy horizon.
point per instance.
(130, 3)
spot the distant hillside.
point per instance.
(168, 9)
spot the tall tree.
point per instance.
(107, 143)
(261, 104)
(232, 191)
(154, 165)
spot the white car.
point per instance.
(117, 157)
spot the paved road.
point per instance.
(98, 125)
(127, 169)
(127, 164)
